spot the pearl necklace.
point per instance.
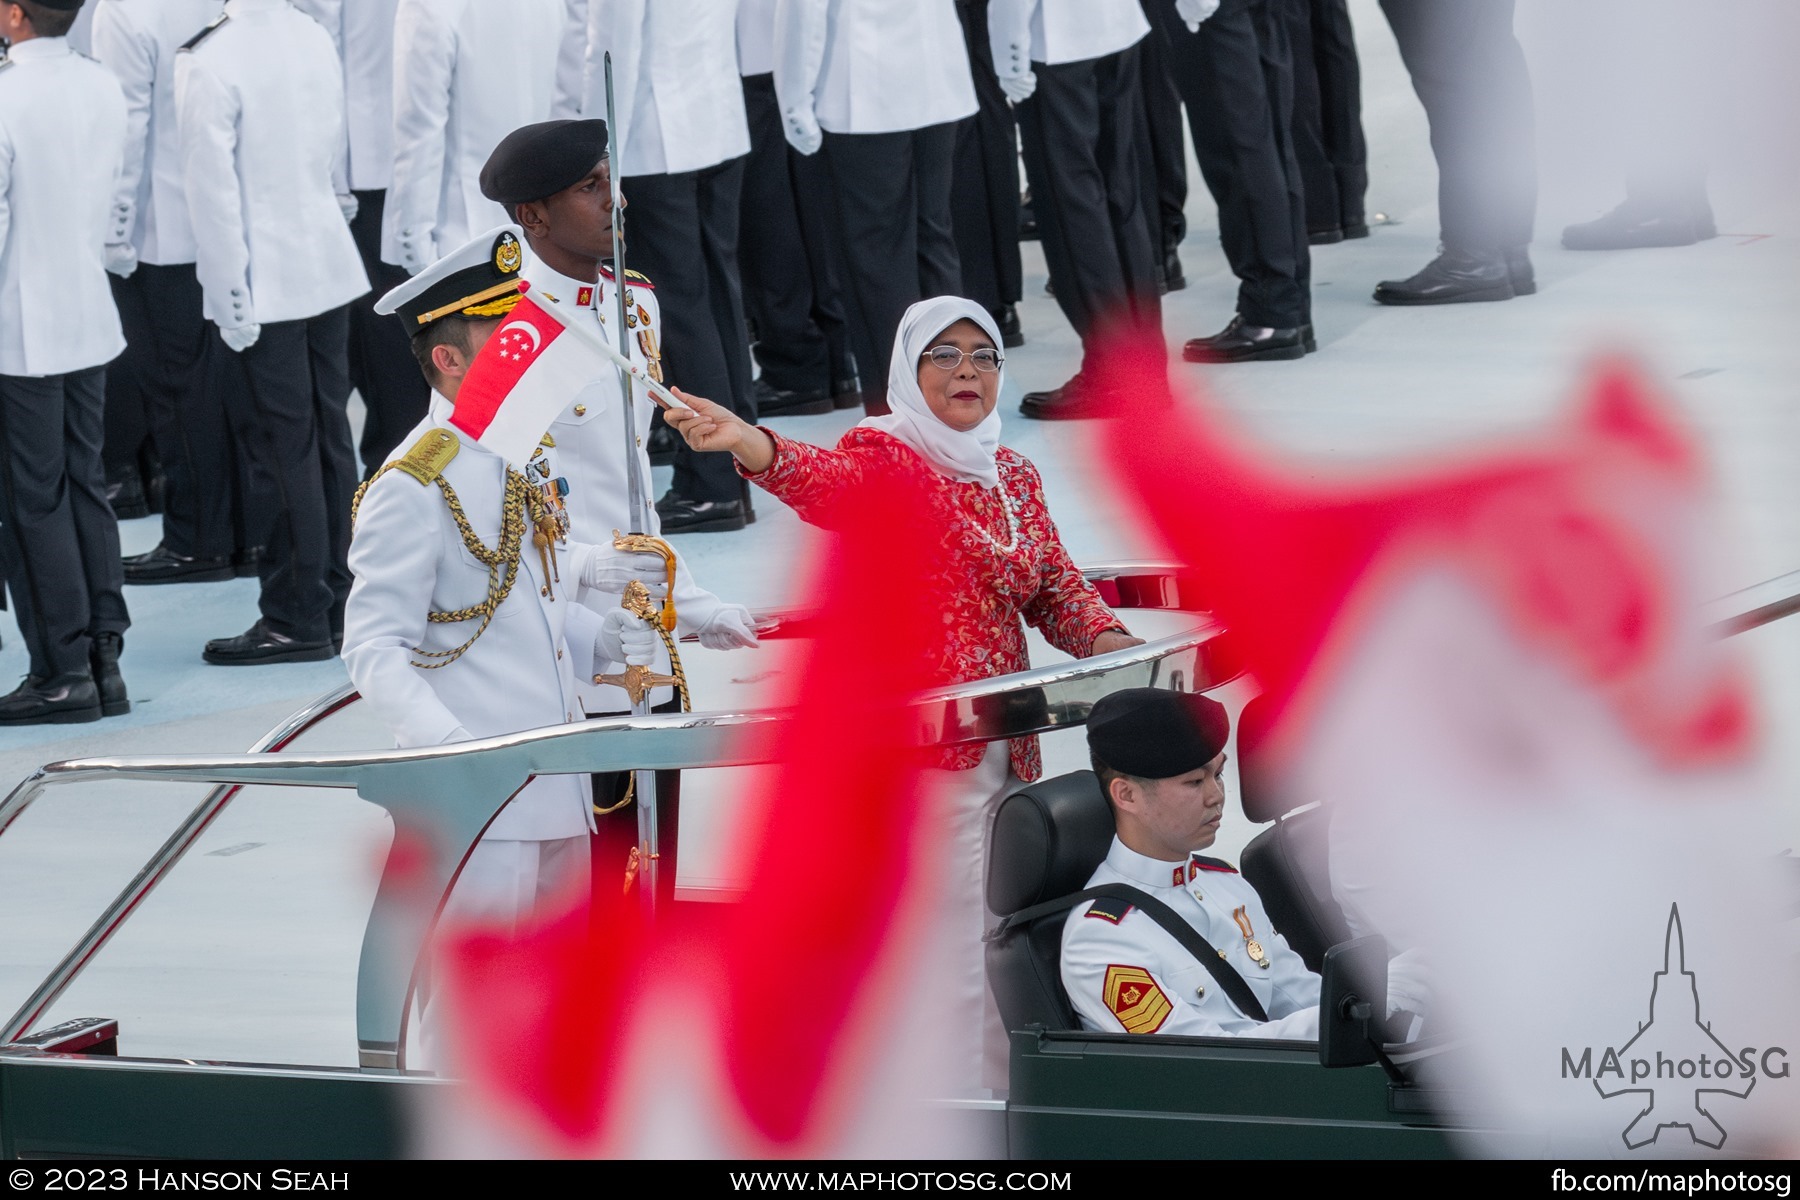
(1012, 523)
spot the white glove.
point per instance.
(628, 639)
(728, 629)
(610, 570)
(241, 337)
(120, 259)
(348, 205)
(1020, 87)
(803, 132)
(1192, 12)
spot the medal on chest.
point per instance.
(1252, 947)
(554, 489)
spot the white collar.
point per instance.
(39, 47)
(562, 289)
(1141, 868)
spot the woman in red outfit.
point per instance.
(1005, 563)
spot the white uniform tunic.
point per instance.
(872, 66)
(679, 98)
(137, 40)
(62, 138)
(1061, 31)
(261, 107)
(466, 74)
(1132, 976)
(363, 31)
(521, 673)
(589, 436)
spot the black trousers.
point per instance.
(59, 541)
(1328, 134)
(382, 368)
(616, 833)
(286, 397)
(984, 188)
(793, 290)
(1236, 77)
(1080, 133)
(683, 234)
(895, 232)
(167, 340)
(1470, 75)
(1165, 148)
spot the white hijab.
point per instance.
(967, 457)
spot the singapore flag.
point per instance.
(522, 378)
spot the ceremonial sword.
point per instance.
(637, 681)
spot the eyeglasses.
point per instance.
(948, 358)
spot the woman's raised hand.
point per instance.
(704, 425)
(708, 426)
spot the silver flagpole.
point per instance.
(637, 490)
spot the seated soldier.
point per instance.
(1160, 757)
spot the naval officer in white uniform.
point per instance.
(556, 179)
(59, 541)
(465, 73)
(535, 646)
(1160, 757)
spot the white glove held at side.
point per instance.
(610, 570)
(1193, 12)
(1409, 983)
(120, 259)
(1019, 87)
(628, 639)
(728, 629)
(242, 337)
(803, 132)
(348, 205)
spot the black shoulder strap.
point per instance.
(211, 27)
(1203, 951)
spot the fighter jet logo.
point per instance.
(1684, 1048)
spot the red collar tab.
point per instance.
(1198, 864)
(584, 296)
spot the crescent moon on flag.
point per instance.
(528, 327)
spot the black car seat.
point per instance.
(1287, 864)
(1047, 840)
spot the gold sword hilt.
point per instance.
(643, 543)
(638, 680)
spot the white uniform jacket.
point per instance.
(571, 62)
(589, 445)
(62, 138)
(136, 40)
(466, 74)
(872, 66)
(261, 103)
(363, 31)
(1061, 31)
(756, 37)
(1129, 974)
(679, 98)
(521, 673)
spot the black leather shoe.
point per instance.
(1636, 226)
(1070, 402)
(103, 657)
(1328, 235)
(247, 564)
(1519, 272)
(1011, 334)
(1239, 342)
(772, 401)
(1453, 277)
(1174, 278)
(69, 699)
(681, 515)
(662, 444)
(163, 565)
(127, 497)
(260, 644)
(846, 393)
(1307, 339)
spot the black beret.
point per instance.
(62, 5)
(1156, 734)
(536, 161)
